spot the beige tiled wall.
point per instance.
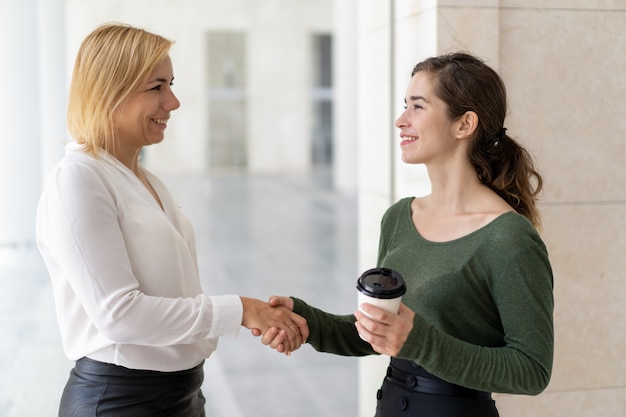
(563, 63)
(564, 69)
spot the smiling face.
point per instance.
(141, 119)
(426, 131)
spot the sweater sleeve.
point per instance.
(522, 292)
(332, 333)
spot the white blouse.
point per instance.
(124, 271)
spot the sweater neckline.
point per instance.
(480, 230)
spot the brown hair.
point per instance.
(112, 62)
(465, 83)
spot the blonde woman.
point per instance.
(121, 254)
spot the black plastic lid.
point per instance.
(381, 283)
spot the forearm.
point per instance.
(506, 369)
(332, 333)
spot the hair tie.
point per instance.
(501, 133)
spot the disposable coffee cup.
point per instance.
(382, 287)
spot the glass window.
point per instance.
(322, 95)
(226, 63)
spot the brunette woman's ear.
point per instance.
(466, 125)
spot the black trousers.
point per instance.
(97, 389)
(410, 391)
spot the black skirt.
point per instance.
(98, 389)
(410, 391)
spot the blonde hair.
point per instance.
(112, 63)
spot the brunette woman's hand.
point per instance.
(385, 331)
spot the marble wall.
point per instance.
(564, 69)
(563, 63)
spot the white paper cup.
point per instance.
(392, 305)
(382, 287)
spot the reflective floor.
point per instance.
(257, 236)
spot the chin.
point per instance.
(410, 160)
(156, 141)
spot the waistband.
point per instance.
(109, 372)
(416, 378)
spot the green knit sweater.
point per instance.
(483, 304)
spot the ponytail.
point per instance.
(508, 169)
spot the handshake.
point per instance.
(281, 328)
(381, 319)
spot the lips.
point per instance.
(407, 139)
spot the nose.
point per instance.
(401, 120)
(171, 102)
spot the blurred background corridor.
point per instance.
(257, 236)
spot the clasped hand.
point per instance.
(277, 322)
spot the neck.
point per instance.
(130, 158)
(454, 190)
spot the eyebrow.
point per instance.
(161, 80)
(415, 98)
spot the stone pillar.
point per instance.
(19, 107)
(374, 149)
(53, 81)
(345, 71)
(33, 110)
